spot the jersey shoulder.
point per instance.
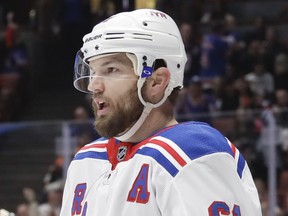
(94, 150)
(197, 139)
(176, 146)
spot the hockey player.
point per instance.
(146, 163)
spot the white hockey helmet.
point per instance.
(148, 34)
(144, 35)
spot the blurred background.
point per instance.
(236, 79)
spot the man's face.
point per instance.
(115, 102)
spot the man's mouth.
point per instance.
(100, 105)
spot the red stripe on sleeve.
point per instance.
(94, 146)
(233, 148)
(170, 150)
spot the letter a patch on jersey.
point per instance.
(139, 191)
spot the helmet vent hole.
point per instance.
(159, 63)
(145, 23)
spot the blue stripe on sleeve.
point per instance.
(160, 158)
(91, 154)
(240, 165)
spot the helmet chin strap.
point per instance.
(128, 134)
(146, 111)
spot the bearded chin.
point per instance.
(124, 114)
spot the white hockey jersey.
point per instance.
(189, 169)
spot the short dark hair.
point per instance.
(174, 94)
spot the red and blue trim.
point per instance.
(193, 140)
(93, 151)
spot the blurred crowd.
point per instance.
(14, 67)
(230, 77)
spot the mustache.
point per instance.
(96, 95)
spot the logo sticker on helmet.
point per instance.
(146, 72)
(158, 14)
(93, 38)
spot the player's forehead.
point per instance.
(109, 59)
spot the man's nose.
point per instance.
(96, 84)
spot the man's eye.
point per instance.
(111, 70)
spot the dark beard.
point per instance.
(125, 112)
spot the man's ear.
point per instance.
(158, 83)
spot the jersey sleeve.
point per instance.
(79, 173)
(215, 179)
(208, 186)
(66, 198)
